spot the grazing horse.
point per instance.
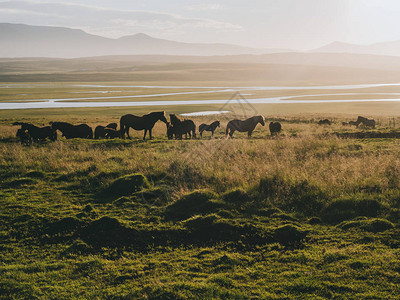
(24, 137)
(37, 134)
(111, 133)
(324, 122)
(145, 122)
(365, 122)
(244, 126)
(353, 123)
(185, 127)
(112, 126)
(70, 131)
(275, 128)
(99, 132)
(211, 127)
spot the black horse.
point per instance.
(37, 134)
(324, 122)
(211, 127)
(112, 126)
(110, 133)
(244, 126)
(180, 128)
(24, 137)
(101, 131)
(365, 122)
(70, 131)
(145, 122)
(275, 128)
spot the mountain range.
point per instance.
(385, 48)
(19, 40)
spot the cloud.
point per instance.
(209, 6)
(109, 22)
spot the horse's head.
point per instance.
(218, 124)
(162, 117)
(174, 119)
(261, 120)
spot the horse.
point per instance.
(24, 137)
(324, 122)
(244, 126)
(275, 128)
(365, 122)
(170, 131)
(110, 133)
(99, 132)
(37, 134)
(211, 127)
(112, 126)
(145, 123)
(185, 127)
(353, 123)
(70, 131)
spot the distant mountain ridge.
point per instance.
(20, 40)
(384, 48)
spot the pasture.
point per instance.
(305, 214)
(310, 213)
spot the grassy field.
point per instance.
(310, 214)
(304, 215)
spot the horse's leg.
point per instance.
(249, 133)
(231, 132)
(150, 133)
(144, 137)
(212, 133)
(201, 134)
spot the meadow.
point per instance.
(307, 214)
(310, 214)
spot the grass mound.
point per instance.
(20, 182)
(107, 231)
(237, 198)
(289, 235)
(35, 174)
(128, 185)
(372, 225)
(346, 209)
(197, 202)
(287, 194)
(65, 225)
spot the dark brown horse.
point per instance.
(24, 137)
(204, 127)
(37, 134)
(112, 126)
(110, 133)
(180, 128)
(70, 131)
(365, 122)
(244, 126)
(275, 128)
(145, 123)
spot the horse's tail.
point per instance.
(227, 129)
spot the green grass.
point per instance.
(304, 215)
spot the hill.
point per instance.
(19, 40)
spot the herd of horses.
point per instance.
(176, 128)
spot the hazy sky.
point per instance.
(296, 24)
